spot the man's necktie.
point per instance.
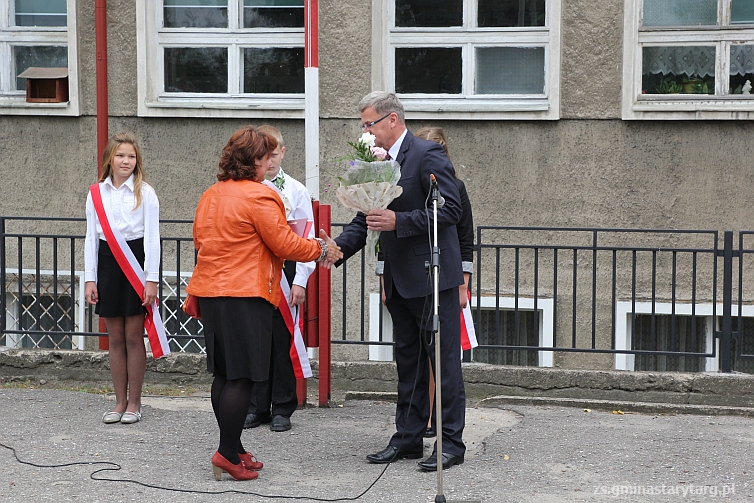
(279, 181)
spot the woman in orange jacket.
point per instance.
(242, 237)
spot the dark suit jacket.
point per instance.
(465, 227)
(409, 247)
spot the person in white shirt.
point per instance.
(135, 212)
(275, 400)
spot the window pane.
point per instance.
(273, 13)
(498, 328)
(273, 70)
(40, 55)
(680, 12)
(41, 13)
(742, 11)
(196, 13)
(685, 335)
(741, 69)
(507, 13)
(196, 70)
(428, 70)
(432, 13)
(510, 70)
(678, 70)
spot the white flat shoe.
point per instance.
(111, 417)
(131, 417)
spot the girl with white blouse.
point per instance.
(135, 212)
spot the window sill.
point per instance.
(691, 107)
(19, 106)
(480, 109)
(283, 108)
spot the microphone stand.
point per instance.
(435, 270)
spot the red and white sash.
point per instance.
(158, 341)
(295, 323)
(468, 333)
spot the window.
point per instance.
(475, 59)
(496, 328)
(36, 33)
(185, 334)
(221, 58)
(745, 361)
(687, 59)
(685, 329)
(43, 303)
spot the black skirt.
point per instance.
(238, 336)
(116, 295)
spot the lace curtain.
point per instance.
(696, 61)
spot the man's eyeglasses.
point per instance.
(370, 125)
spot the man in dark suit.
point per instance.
(406, 246)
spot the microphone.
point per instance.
(433, 183)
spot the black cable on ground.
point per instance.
(114, 467)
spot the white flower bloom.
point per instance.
(367, 139)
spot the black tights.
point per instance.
(230, 402)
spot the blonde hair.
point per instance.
(272, 131)
(435, 134)
(108, 155)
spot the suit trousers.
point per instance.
(278, 393)
(414, 341)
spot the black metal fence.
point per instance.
(42, 274)
(631, 299)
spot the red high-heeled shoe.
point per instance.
(250, 461)
(239, 472)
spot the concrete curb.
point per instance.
(619, 407)
(667, 391)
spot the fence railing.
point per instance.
(633, 299)
(42, 274)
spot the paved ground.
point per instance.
(521, 454)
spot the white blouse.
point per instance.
(144, 222)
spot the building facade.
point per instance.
(636, 114)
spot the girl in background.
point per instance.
(135, 213)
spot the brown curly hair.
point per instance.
(245, 148)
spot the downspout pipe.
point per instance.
(100, 30)
(100, 27)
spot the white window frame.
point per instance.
(682, 106)
(14, 102)
(544, 306)
(152, 38)
(469, 106)
(13, 305)
(624, 361)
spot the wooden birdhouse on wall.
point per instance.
(46, 85)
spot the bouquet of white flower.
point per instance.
(369, 183)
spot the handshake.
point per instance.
(331, 252)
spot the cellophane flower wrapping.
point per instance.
(367, 186)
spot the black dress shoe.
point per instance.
(254, 420)
(280, 423)
(430, 464)
(390, 454)
(430, 432)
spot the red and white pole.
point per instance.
(311, 131)
(311, 89)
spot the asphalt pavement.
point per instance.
(521, 454)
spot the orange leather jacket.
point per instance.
(242, 237)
